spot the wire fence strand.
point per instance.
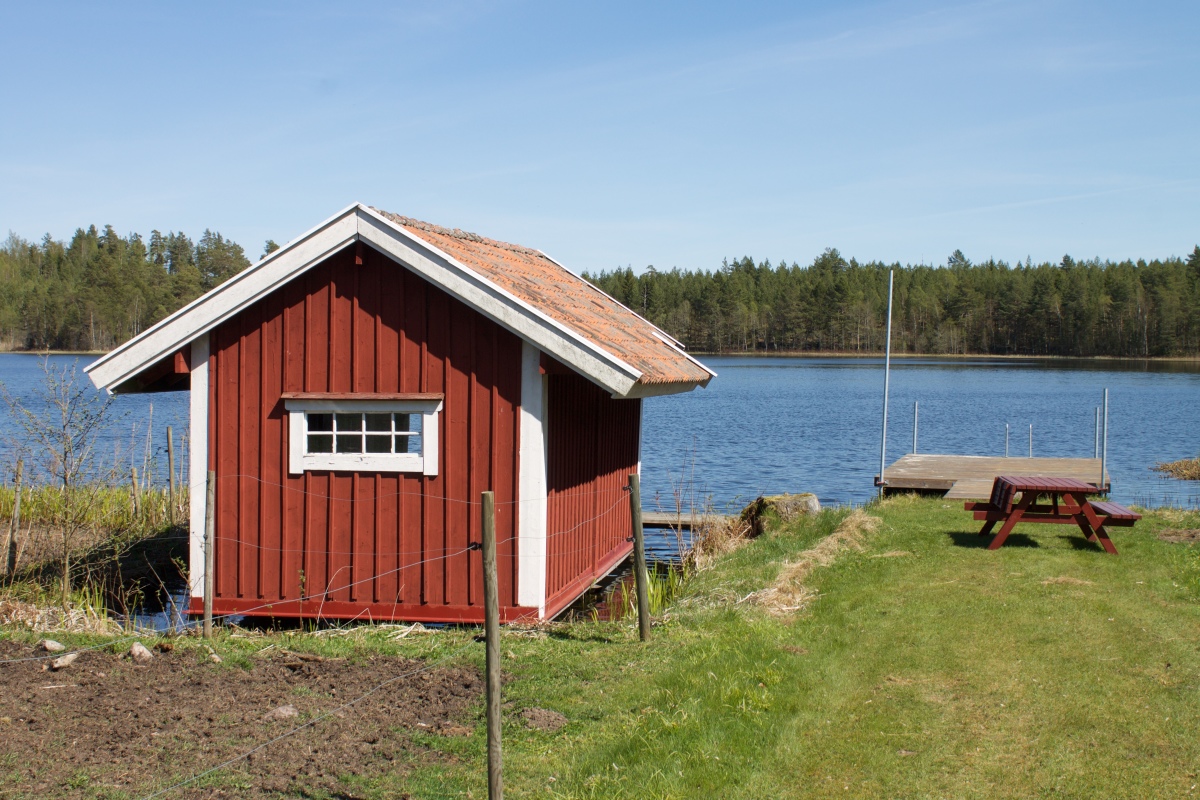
(324, 594)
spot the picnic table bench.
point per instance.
(1066, 502)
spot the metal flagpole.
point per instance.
(1104, 443)
(887, 368)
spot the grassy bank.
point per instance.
(921, 666)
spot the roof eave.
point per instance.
(359, 222)
(662, 388)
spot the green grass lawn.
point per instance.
(951, 671)
(926, 666)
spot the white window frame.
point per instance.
(300, 460)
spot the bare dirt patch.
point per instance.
(108, 724)
(892, 554)
(1066, 580)
(543, 719)
(1180, 535)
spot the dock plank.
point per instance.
(970, 477)
(669, 519)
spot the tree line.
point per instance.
(100, 289)
(1072, 308)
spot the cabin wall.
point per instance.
(364, 545)
(592, 447)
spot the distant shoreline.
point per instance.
(4, 351)
(860, 354)
(774, 354)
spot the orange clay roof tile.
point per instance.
(565, 297)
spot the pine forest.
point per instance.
(100, 288)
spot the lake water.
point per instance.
(768, 425)
(136, 435)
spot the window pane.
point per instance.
(379, 422)
(408, 422)
(379, 444)
(349, 422)
(320, 443)
(320, 422)
(409, 444)
(349, 444)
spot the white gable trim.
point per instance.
(360, 223)
(205, 313)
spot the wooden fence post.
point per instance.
(170, 476)
(209, 551)
(14, 530)
(491, 631)
(640, 577)
(137, 492)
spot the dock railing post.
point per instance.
(640, 578)
(916, 404)
(210, 556)
(1031, 440)
(1104, 444)
(1006, 440)
(887, 369)
(1096, 447)
(491, 633)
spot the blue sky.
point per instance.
(606, 134)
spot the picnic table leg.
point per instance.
(1082, 521)
(987, 527)
(1080, 517)
(1014, 517)
(1094, 520)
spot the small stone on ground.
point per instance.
(62, 662)
(140, 654)
(283, 712)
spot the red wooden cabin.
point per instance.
(356, 390)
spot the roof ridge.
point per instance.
(458, 233)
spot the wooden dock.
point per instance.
(970, 477)
(669, 519)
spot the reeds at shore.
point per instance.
(1186, 469)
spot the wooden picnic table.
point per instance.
(1066, 502)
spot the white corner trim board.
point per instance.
(197, 464)
(531, 484)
